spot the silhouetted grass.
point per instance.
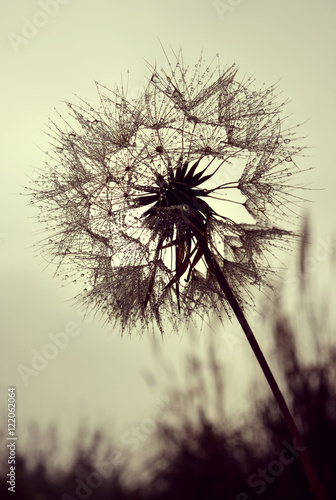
(200, 457)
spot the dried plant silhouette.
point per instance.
(202, 455)
(195, 451)
(165, 206)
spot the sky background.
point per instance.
(52, 57)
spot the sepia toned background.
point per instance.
(53, 51)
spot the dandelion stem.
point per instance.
(310, 471)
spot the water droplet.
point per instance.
(50, 241)
(155, 79)
(289, 173)
(287, 141)
(85, 290)
(288, 158)
(75, 281)
(66, 276)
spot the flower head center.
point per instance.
(178, 189)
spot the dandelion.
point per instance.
(135, 193)
(166, 205)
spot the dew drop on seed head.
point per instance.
(287, 141)
(50, 241)
(289, 158)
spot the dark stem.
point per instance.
(214, 267)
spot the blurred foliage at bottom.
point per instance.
(199, 458)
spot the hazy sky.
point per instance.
(54, 50)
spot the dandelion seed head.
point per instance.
(132, 189)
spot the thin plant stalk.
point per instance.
(309, 468)
(120, 192)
